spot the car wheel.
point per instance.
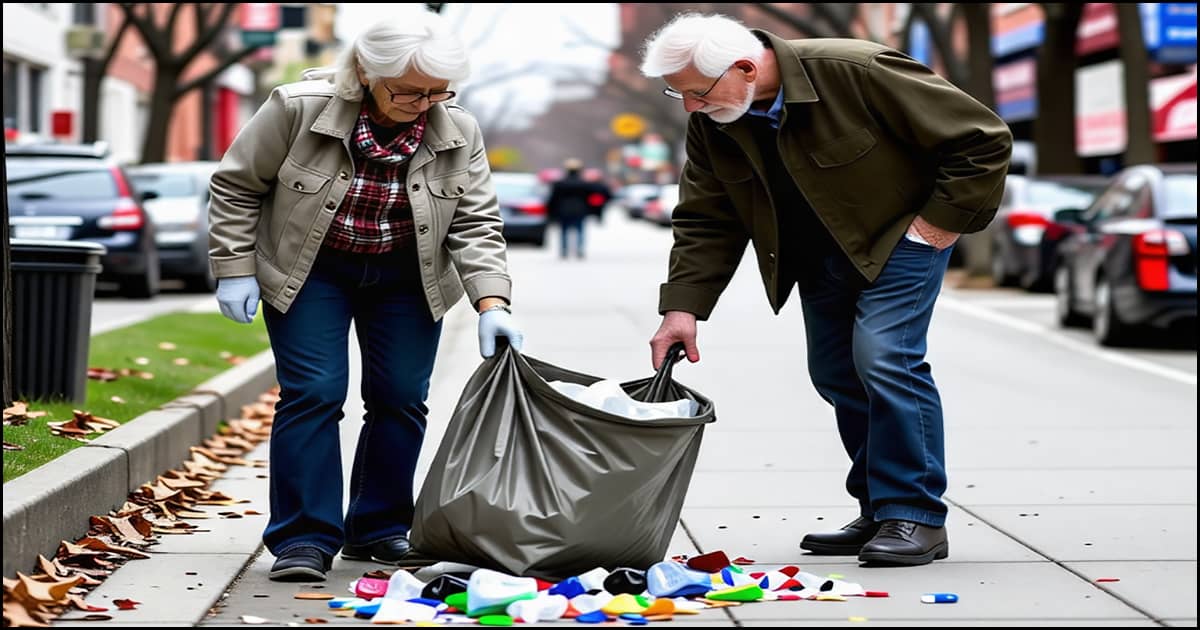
(200, 283)
(1000, 275)
(1064, 310)
(1106, 324)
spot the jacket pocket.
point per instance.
(451, 186)
(298, 179)
(844, 150)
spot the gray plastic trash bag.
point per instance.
(532, 483)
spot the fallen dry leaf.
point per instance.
(315, 620)
(91, 542)
(166, 345)
(254, 620)
(9, 446)
(103, 375)
(180, 361)
(142, 361)
(118, 400)
(252, 513)
(126, 604)
(311, 595)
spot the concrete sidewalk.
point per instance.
(1045, 497)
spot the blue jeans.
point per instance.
(568, 226)
(398, 339)
(866, 357)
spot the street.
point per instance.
(1067, 462)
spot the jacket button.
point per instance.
(423, 229)
(771, 256)
(428, 264)
(416, 187)
(298, 186)
(343, 176)
(330, 205)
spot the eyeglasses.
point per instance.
(677, 95)
(412, 98)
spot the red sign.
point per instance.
(1097, 28)
(261, 16)
(62, 124)
(1173, 107)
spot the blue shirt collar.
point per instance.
(774, 114)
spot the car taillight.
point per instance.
(125, 217)
(1027, 227)
(531, 208)
(1151, 255)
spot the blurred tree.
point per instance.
(94, 70)
(971, 70)
(172, 56)
(1139, 148)
(1054, 126)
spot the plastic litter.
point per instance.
(611, 397)
(939, 598)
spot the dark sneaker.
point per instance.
(847, 541)
(301, 564)
(390, 551)
(906, 543)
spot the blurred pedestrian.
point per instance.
(572, 200)
(853, 169)
(362, 196)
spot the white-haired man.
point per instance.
(853, 169)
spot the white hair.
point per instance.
(389, 49)
(709, 42)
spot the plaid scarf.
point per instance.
(375, 216)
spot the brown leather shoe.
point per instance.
(846, 541)
(906, 543)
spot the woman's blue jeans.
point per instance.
(398, 339)
(866, 357)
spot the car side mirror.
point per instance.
(147, 195)
(1069, 215)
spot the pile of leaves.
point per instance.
(155, 509)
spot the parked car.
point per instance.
(1131, 262)
(522, 198)
(80, 193)
(660, 208)
(633, 198)
(1025, 236)
(176, 197)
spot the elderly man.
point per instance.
(853, 169)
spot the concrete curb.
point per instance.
(52, 503)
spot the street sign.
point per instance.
(628, 126)
(84, 42)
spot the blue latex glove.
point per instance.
(238, 298)
(498, 323)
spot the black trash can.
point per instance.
(52, 288)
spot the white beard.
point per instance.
(726, 115)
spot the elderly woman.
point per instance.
(359, 196)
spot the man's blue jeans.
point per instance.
(398, 339)
(866, 357)
(568, 226)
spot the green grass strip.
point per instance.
(200, 338)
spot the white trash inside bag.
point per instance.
(608, 395)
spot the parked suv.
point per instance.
(79, 193)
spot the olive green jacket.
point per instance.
(871, 138)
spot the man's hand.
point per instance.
(937, 237)
(676, 326)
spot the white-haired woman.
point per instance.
(359, 195)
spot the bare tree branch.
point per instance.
(159, 46)
(806, 27)
(208, 30)
(112, 46)
(173, 18)
(485, 35)
(221, 66)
